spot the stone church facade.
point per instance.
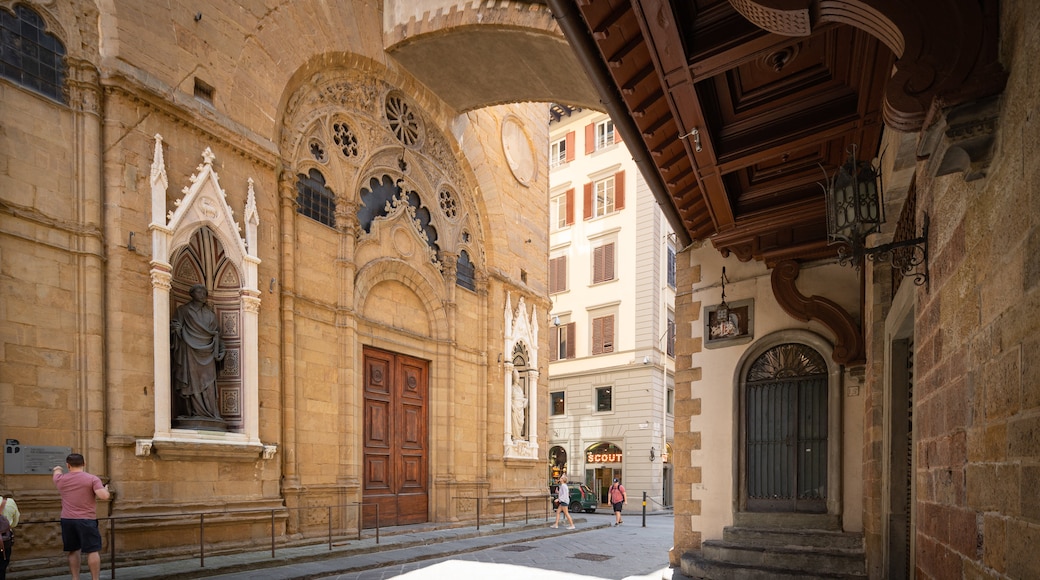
(360, 185)
(373, 251)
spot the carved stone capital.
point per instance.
(250, 303)
(83, 86)
(161, 278)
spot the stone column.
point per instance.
(85, 99)
(287, 198)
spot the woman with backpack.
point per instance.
(8, 519)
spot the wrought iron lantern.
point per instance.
(722, 310)
(855, 210)
(724, 325)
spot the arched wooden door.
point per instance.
(395, 439)
(785, 403)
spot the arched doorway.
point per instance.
(395, 430)
(785, 422)
(557, 463)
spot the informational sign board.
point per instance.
(32, 459)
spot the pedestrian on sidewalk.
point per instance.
(618, 498)
(564, 496)
(11, 515)
(79, 527)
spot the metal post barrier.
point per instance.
(377, 523)
(503, 512)
(202, 540)
(644, 509)
(478, 513)
(271, 533)
(527, 501)
(112, 546)
(330, 528)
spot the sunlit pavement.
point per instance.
(515, 549)
(626, 552)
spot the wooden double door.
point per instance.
(395, 439)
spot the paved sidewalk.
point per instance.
(397, 546)
(599, 552)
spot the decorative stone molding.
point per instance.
(962, 140)
(209, 446)
(143, 447)
(848, 347)
(204, 205)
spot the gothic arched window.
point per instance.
(465, 272)
(29, 55)
(314, 199)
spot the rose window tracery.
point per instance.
(404, 122)
(345, 139)
(448, 206)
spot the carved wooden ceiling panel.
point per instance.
(743, 105)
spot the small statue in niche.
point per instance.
(196, 353)
(519, 406)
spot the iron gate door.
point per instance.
(786, 424)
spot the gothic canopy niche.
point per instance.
(521, 336)
(204, 214)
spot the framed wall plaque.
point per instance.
(736, 327)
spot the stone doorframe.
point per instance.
(834, 419)
(204, 205)
(899, 332)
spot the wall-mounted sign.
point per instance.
(737, 327)
(603, 453)
(32, 459)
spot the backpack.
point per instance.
(617, 493)
(6, 535)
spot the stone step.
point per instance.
(695, 565)
(787, 521)
(794, 558)
(790, 537)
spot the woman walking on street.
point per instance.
(564, 495)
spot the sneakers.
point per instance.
(568, 527)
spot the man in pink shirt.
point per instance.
(79, 528)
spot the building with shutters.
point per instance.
(612, 324)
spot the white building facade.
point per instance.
(612, 323)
